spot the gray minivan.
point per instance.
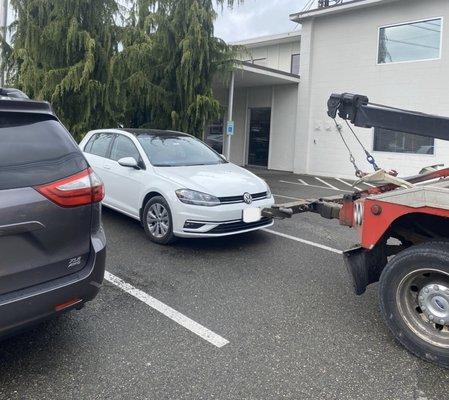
(52, 244)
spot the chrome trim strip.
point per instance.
(214, 222)
(241, 201)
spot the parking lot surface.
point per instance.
(280, 300)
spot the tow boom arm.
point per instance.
(360, 112)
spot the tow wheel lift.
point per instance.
(403, 225)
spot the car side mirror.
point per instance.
(129, 162)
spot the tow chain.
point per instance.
(358, 172)
(369, 157)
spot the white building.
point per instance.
(393, 51)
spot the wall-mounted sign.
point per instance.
(230, 129)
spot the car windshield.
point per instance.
(173, 150)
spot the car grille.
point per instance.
(239, 226)
(239, 199)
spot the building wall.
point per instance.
(339, 54)
(283, 101)
(276, 56)
(283, 127)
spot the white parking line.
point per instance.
(169, 312)
(315, 186)
(347, 184)
(327, 184)
(308, 242)
(286, 197)
(303, 182)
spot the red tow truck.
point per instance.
(403, 225)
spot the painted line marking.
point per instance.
(315, 186)
(169, 312)
(308, 242)
(303, 182)
(327, 184)
(348, 184)
(286, 197)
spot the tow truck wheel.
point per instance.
(414, 300)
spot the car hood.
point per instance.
(219, 180)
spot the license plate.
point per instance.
(252, 215)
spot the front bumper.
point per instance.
(27, 307)
(223, 220)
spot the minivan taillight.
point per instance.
(77, 190)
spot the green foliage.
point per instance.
(169, 60)
(140, 63)
(61, 52)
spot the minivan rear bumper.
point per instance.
(24, 308)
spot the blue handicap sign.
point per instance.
(230, 128)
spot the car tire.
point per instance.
(413, 287)
(157, 221)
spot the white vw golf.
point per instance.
(175, 184)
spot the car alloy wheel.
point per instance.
(158, 220)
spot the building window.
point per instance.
(400, 142)
(413, 41)
(214, 136)
(295, 64)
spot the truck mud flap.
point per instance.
(365, 266)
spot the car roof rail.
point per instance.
(13, 93)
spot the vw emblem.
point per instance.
(247, 198)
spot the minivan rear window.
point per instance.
(35, 149)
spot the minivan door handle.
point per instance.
(22, 227)
(107, 166)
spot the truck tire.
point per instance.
(414, 300)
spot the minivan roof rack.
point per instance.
(13, 92)
(14, 100)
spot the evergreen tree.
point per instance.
(140, 100)
(61, 52)
(169, 61)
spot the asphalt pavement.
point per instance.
(292, 326)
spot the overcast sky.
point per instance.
(256, 18)
(252, 19)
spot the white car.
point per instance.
(175, 184)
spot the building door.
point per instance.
(259, 137)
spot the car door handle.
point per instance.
(107, 166)
(22, 227)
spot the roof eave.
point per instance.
(336, 9)
(269, 40)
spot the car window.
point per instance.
(89, 144)
(35, 149)
(177, 150)
(124, 147)
(99, 144)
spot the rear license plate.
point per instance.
(252, 215)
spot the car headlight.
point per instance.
(197, 198)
